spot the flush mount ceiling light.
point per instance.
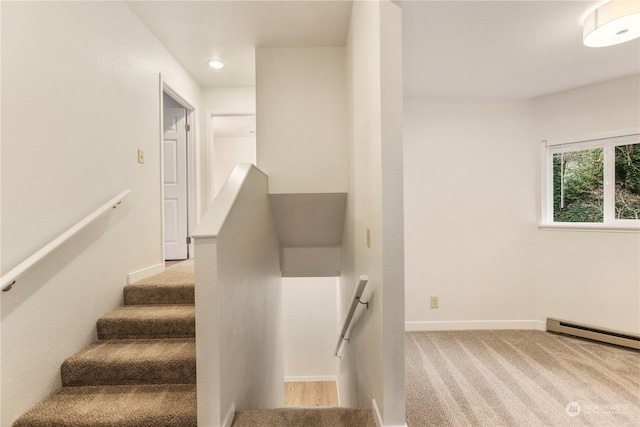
(216, 64)
(612, 23)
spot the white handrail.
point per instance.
(357, 293)
(8, 280)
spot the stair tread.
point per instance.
(175, 285)
(308, 417)
(148, 321)
(131, 406)
(137, 361)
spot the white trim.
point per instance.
(546, 185)
(231, 414)
(609, 191)
(209, 152)
(593, 137)
(193, 174)
(581, 226)
(161, 156)
(176, 96)
(462, 325)
(378, 419)
(605, 141)
(310, 378)
(193, 183)
(144, 273)
(376, 413)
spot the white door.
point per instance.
(175, 183)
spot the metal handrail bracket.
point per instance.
(9, 279)
(355, 301)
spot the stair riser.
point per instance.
(109, 329)
(142, 370)
(153, 295)
(77, 374)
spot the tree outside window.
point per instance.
(595, 182)
(627, 181)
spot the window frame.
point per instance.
(606, 141)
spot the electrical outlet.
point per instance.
(434, 302)
(141, 156)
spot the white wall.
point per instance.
(586, 276)
(372, 367)
(309, 307)
(228, 151)
(80, 95)
(301, 119)
(221, 101)
(240, 359)
(473, 205)
(470, 177)
(0, 218)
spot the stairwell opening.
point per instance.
(310, 316)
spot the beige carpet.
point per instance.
(141, 371)
(172, 286)
(518, 378)
(122, 406)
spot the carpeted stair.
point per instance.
(307, 417)
(142, 369)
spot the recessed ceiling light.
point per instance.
(216, 64)
(612, 23)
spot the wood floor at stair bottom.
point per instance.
(315, 417)
(131, 406)
(310, 393)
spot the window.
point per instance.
(593, 182)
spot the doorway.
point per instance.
(233, 141)
(175, 182)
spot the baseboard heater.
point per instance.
(595, 333)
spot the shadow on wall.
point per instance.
(57, 261)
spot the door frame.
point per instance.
(192, 181)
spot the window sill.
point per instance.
(610, 228)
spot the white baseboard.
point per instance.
(378, 419)
(376, 413)
(461, 325)
(144, 273)
(231, 414)
(311, 378)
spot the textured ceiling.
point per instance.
(504, 49)
(453, 49)
(197, 31)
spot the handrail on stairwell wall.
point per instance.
(9, 279)
(355, 300)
